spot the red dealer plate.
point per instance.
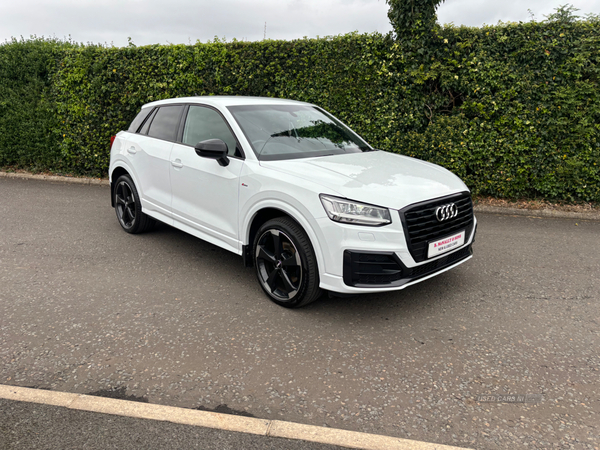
(445, 245)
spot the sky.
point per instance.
(113, 22)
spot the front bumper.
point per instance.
(367, 259)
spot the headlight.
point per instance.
(347, 211)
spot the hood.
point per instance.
(378, 177)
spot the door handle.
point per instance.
(132, 150)
(177, 164)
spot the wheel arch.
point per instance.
(267, 212)
(114, 176)
(120, 167)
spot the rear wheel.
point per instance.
(129, 208)
(285, 263)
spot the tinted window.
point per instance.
(135, 125)
(166, 123)
(147, 123)
(295, 131)
(205, 123)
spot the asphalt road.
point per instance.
(167, 318)
(33, 426)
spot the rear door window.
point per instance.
(166, 123)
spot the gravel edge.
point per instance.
(55, 178)
(546, 213)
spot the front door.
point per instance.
(204, 193)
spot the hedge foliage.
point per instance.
(26, 116)
(513, 109)
(413, 20)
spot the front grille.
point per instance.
(371, 268)
(421, 225)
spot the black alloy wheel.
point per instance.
(128, 207)
(285, 263)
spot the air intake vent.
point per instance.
(371, 268)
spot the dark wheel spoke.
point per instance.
(291, 261)
(276, 243)
(287, 283)
(264, 254)
(120, 200)
(130, 213)
(271, 281)
(126, 191)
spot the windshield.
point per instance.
(294, 131)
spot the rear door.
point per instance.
(150, 151)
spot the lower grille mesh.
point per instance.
(371, 268)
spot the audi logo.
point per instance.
(446, 212)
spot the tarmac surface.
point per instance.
(34, 426)
(169, 319)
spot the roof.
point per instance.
(226, 100)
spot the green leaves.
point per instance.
(513, 109)
(27, 117)
(502, 102)
(413, 20)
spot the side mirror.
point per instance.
(213, 149)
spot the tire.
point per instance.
(129, 208)
(285, 263)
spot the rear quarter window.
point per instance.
(139, 120)
(146, 126)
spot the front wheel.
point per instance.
(285, 263)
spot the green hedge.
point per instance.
(97, 91)
(27, 119)
(513, 109)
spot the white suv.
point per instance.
(295, 192)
